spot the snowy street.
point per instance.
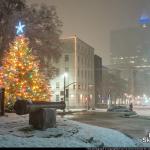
(136, 126)
(143, 110)
(15, 132)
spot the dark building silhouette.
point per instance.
(130, 53)
(98, 79)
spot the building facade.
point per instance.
(75, 71)
(130, 53)
(98, 79)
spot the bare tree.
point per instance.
(43, 28)
(7, 9)
(114, 85)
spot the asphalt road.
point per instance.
(136, 127)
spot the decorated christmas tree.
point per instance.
(20, 75)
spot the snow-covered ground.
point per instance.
(142, 110)
(16, 132)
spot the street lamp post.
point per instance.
(109, 99)
(65, 75)
(67, 92)
(88, 99)
(65, 87)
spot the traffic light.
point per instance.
(67, 93)
(74, 86)
(79, 86)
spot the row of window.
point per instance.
(130, 61)
(82, 74)
(85, 74)
(81, 98)
(84, 48)
(86, 61)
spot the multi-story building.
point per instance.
(98, 79)
(75, 70)
(130, 51)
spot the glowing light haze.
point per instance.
(19, 28)
(93, 20)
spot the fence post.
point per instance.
(2, 97)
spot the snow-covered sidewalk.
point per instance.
(16, 132)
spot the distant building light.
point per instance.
(145, 60)
(144, 26)
(133, 57)
(130, 96)
(125, 94)
(121, 58)
(142, 66)
(138, 102)
(138, 97)
(132, 62)
(72, 96)
(144, 19)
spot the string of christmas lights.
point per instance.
(20, 73)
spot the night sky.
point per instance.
(93, 20)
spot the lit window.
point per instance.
(72, 96)
(81, 96)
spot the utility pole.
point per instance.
(64, 88)
(109, 99)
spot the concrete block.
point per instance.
(43, 118)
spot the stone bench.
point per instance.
(43, 118)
